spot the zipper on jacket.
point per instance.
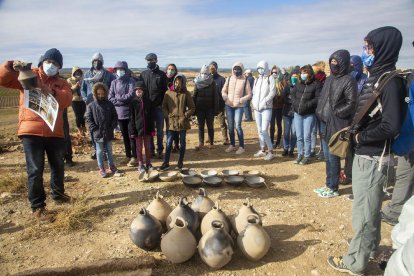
(301, 98)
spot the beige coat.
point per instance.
(234, 87)
(75, 85)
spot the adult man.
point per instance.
(37, 138)
(155, 81)
(97, 73)
(372, 147)
(220, 80)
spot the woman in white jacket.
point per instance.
(264, 90)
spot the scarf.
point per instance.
(204, 79)
(97, 75)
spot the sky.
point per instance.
(191, 33)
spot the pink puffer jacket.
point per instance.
(234, 88)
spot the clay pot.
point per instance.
(160, 209)
(26, 77)
(145, 230)
(239, 222)
(184, 211)
(215, 214)
(179, 244)
(216, 246)
(202, 204)
(254, 241)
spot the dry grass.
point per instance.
(14, 183)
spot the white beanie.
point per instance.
(97, 56)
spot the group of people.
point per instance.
(306, 100)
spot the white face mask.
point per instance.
(261, 71)
(120, 73)
(50, 69)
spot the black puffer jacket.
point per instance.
(337, 103)
(206, 98)
(305, 97)
(220, 81)
(287, 102)
(380, 130)
(156, 83)
(140, 121)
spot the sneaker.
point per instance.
(102, 173)
(312, 154)
(230, 149)
(63, 199)
(260, 153)
(180, 166)
(93, 155)
(226, 143)
(240, 150)
(388, 220)
(269, 156)
(298, 159)
(350, 197)
(150, 167)
(141, 168)
(291, 154)
(304, 161)
(320, 189)
(328, 193)
(132, 162)
(165, 167)
(285, 153)
(338, 264)
(113, 170)
(43, 216)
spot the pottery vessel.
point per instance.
(160, 209)
(202, 204)
(145, 230)
(184, 211)
(215, 214)
(239, 221)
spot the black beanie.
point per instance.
(139, 84)
(214, 64)
(55, 55)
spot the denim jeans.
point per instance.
(314, 134)
(171, 135)
(34, 150)
(303, 127)
(262, 121)
(289, 134)
(276, 120)
(158, 118)
(333, 163)
(66, 131)
(129, 144)
(234, 117)
(205, 117)
(100, 148)
(248, 116)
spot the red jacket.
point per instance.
(29, 122)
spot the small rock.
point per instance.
(5, 195)
(114, 232)
(282, 231)
(342, 227)
(314, 272)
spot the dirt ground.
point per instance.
(304, 228)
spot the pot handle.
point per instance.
(180, 222)
(183, 201)
(202, 192)
(143, 211)
(253, 219)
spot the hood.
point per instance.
(121, 64)
(343, 59)
(204, 69)
(179, 75)
(98, 85)
(386, 42)
(357, 62)
(74, 69)
(97, 56)
(237, 64)
(264, 65)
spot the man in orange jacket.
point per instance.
(37, 138)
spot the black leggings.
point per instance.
(79, 108)
(205, 117)
(129, 144)
(276, 120)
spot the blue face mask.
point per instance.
(120, 73)
(260, 71)
(50, 69)
(238, 73)
(368, 60)
(304, 77)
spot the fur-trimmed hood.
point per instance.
(98, 85)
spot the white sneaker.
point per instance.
(269, 156)
(240, 150)
(260, 153)
(132, 162)
(230, 149)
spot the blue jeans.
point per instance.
(333, 163)
(100, 148)
(248, 116)
(158, 118)
(171, 136)
(234, 116)
(303, 127)
(289, 134)
(314, 134)
(262, 121)
(34, 150)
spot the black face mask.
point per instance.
(334, 68)
(98, 65)
(152, 65)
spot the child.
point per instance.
(141, 126)
(178, 106)
(102, 120)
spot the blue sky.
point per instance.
(191, 33)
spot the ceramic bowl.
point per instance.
(207, 173)
(213, 181)
(148, 176)
(192, 181)
(230, 172)
(255, 181)
(168, 176)
(252, 173)
(234, 180)
(188, 172)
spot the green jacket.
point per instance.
(178, 107)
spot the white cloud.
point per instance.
(127, 30)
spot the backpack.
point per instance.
(404, 142)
